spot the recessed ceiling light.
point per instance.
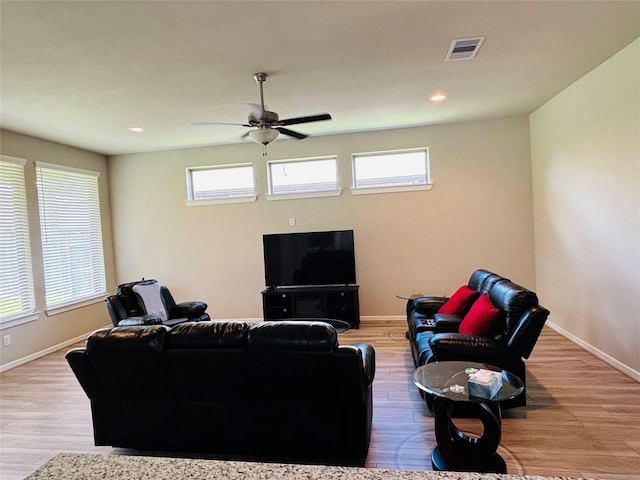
(438, 97)
(136, 129)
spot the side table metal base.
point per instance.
(447, 382)
(457, 451)
(493, 464)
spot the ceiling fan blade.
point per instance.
(220, 123)
(291, 133)
(310, 118)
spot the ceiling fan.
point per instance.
(267, 125)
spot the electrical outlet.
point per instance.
(6, 340)
(292, 222)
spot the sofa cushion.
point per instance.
(211, 334)
(481, 317)
(293, 335)
(459, 301)
(136, 339)
(478, 278)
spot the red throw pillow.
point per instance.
(459, 301)
(480, 318)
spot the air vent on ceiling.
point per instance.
(464, 48)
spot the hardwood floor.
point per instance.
(567, 429)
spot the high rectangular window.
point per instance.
(307, 175)
(220, 182)
(16, 277)
(71, 234)
(393, 169)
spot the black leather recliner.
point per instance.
(128, 308)
(434, 337)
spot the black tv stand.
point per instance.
(312, 301)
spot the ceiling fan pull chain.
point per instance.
(264, 150)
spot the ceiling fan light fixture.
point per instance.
(264, 136)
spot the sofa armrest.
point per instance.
(425, 305)
(141, 320)
(187, 310)
(476, 348)
(368, 359)
(79, 363)
(447, 322)
(441, 322)
(526, 332)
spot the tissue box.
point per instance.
(485, 383)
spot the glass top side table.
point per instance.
(445, 379)
(448, 383)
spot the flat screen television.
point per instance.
(310, 258)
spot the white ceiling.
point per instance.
(82, 72)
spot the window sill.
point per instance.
(75, 305)
(221, 201)
(20, 320)
(409, 188)
(294, 196)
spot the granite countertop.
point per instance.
(70, 466)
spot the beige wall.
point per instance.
(49, 332)
(585, 147)
(478, 214)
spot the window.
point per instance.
(71, 234)
(226, 182)
(17, 298)
(394, 171)
(303, 176)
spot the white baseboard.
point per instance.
(627, 370)
(383, 317)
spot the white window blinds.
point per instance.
(16, 280)
(71, 234)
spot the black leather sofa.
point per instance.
(434, 336)
(276, 390)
